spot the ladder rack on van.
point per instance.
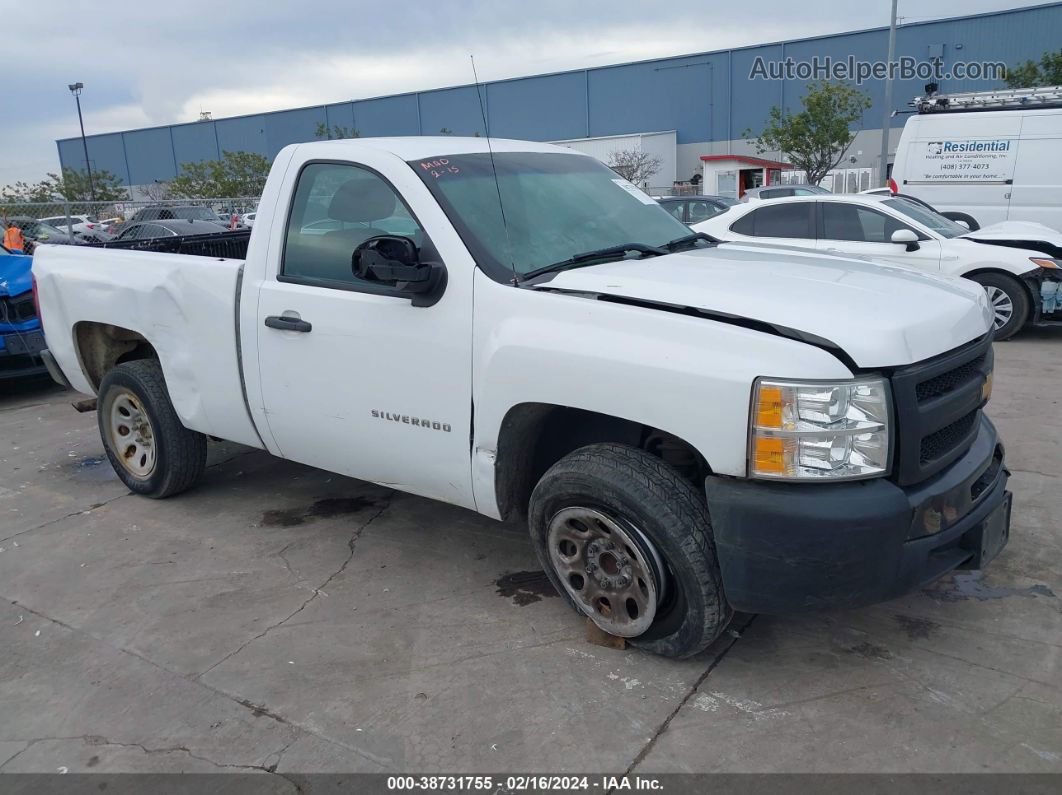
(1004, 99)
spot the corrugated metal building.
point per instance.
(707, 99)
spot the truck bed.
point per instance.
(184, 306)
(229, 245)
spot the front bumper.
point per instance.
(786, 548)
(20, 355)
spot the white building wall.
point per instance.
(659, 144)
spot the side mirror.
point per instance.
(907, 238)
(395, 261)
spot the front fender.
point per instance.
(688, 376)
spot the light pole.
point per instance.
(887, 123)
(75, 89)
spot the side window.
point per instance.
(792, 219)
(702, 211)
(675, 208)
(336, 208)
(841, 221)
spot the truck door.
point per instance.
(354, 378)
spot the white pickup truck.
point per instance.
(688, 428)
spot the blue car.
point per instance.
(21, 337)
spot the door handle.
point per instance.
(285, 323)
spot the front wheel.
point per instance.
(628, 542)
(149, 448)
(1010, 303)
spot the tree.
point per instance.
(157, 191)
(236, 174)
(334, 132)
(1030, 74)
(634, 165)
(72, 186)
(816, 139)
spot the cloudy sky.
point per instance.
(143, 66)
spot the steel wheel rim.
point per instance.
(611, 571)
(132, 438)
(1002, 305)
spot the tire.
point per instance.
(1007, 295)
(149, 448)
(969, 220)
(623, 493)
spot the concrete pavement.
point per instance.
(282, 619)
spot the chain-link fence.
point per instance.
(101, 222)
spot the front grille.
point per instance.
(946, 382)
(942, 442)
(18, 309)
(938, 409)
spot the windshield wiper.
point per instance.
(689, 240)
(588, 257)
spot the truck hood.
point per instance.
(880, 315)
(15, 276)
(1025, 235)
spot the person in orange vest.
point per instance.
(13, 240)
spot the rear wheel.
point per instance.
(149, 448)
(1010, 302)
(628, 542)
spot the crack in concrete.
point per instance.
(95, 740)
(1049, 475)
(80, 512)
(351, 542)
(256, 710)
(651, 742)
(96, 506)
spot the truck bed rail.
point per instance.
(229, 245)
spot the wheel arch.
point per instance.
(102, 346)
(997, 271)
(534, 436)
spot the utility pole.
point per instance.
(887, 122)
(75, 89)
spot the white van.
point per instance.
(958, 154)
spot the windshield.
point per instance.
(930, 219)
(556, 206)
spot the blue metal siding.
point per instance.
(242, 134)
(453, 109)
(105, 154)
(291, 127)
(340, 114)
(194, 143)
(388, 116)
(150, 156)
(673, 94)
(706, 97)
(516, 107)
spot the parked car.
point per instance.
(21, 340)
(694, 209)
(154, 229)
(781, 192)
(965, 219)
(1018, 264)
(998, 165)
(37, 232)
(80, 224)
(689, 428)
(167, 213)
(247, 219)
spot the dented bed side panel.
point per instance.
(184, 306)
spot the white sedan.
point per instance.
(1018, 263)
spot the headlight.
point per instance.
(815, 431)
